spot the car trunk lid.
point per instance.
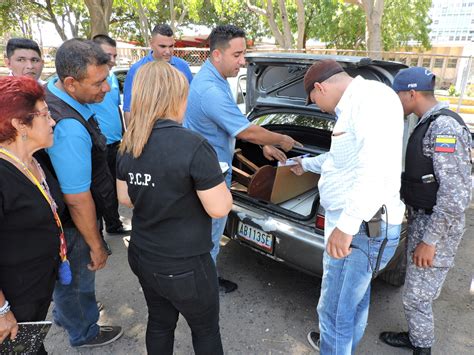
(276, 79)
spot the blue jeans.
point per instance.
(343, 305)
(75, 307)
(218, 226)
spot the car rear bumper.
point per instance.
(294, 243)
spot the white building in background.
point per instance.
(452, 36)
(452, 21)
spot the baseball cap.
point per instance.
(318, 72)
(414, 78)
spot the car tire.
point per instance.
(395, 272)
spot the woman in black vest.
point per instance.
(31, 241)
(172, 178)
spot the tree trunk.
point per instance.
(270, 14)
(143, 24)
(373, 30)
(176, 22)
(51, 18)
(172, 16)
(301, 24)
(287, 35)
(100, 12)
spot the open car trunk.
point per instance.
(284, 193)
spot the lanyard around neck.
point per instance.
(63, 247)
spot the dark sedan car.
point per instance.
(293, 231)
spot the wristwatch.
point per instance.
(5, 308)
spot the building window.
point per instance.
(452, 63)
(426, 62)
(438, 62)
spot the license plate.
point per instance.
(260, 239)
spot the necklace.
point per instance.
(15, 158)
(64, 268)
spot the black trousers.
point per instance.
(111, 216)
(179, 285)
(30, 312)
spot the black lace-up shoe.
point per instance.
(226, 286)
(399, 340)
(422, 351)
(106, 335)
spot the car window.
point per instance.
(121, 75)
(295, 119)
(241, 89)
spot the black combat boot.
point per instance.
(422, 351)
(399, 340)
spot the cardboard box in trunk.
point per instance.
(288, 185)
(279, 184)
(274, 184)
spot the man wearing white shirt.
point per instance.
(360, 176)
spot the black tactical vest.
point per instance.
(415, 192)
(102, 182)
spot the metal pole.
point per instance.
(464, 82)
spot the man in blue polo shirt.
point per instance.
(109, 117)
(162, 46)
(78, 157)
(222, 122)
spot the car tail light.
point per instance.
(320, 221)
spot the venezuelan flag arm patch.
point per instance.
(445, 143)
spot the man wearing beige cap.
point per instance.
(359, 190)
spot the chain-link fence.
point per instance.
(455, 74)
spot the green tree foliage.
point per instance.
(69, 17)
(342, 25)
(235, 12)
(335, 23)
(405, 20)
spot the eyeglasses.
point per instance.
(45, 113)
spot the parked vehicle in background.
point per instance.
(123, 61)
(48, 58)
(293, 231)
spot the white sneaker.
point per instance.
(314, 340)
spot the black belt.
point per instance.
(421, 210)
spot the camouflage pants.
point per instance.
(422, 287)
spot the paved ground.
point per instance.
(274, 307)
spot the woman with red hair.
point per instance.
(32, 251)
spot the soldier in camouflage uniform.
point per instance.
(436, 200)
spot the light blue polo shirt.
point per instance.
(213, 113)
(71, 151)
(178, 63)
(107, 112)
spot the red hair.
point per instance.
(18, 97)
